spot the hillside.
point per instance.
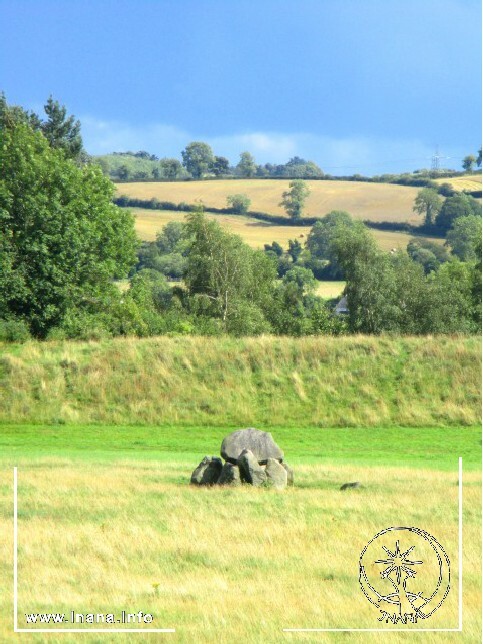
(372, 201)
(467, 182)
(254, 232)
(308, 382)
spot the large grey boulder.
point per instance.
(250, 470)
(289, 471)
(276, 474)
(208, 471)
(260, 444)
(230, 475)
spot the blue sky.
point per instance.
(366, 86)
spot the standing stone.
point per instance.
(261, 444)
(289, 471)
(208, 471)
(276, 474)
(250, 470)
(230, 475)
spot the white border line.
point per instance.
(16, 629)
(415, 630)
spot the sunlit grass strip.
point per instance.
(350, 381)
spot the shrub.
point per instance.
(14, 331)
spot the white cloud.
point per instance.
(102, 137)
(357, 154)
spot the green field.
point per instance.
(106, 434)
(254, 232)
(107, 522)
(373, 201)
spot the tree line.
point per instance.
(198, 161)
(64, 244)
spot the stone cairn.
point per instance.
(251, 456)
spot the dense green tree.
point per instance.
(301, 169)
(459, 205)
(476, 287)
(464, 238)
(469, 162)
(170, 168)
(319, 240)
(390, 292)
(220, 166)
(293, 200)
(226, 279)
(62, 131)
(427, 253)
(239, 203)
(124, 172)
(428, 203)
(295, 249)
(446, 190)
(197, 158)
(275, 248)
(62, 238)
(451, 304)
(246, 167)
(172, 237)
(478, 158)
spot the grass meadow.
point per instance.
(106, 434)
(373, 201)
(254, 232)
(108, 522)
(358, 381)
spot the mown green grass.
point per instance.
(434, 448)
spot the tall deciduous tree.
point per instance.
(319, 241)
(235, 281)
(62, 238)
(459, 205)
(464, 238)
(220, 166)
(469, 162)
(293, 200)
(246, 166)
(197, 158)
(428, 203)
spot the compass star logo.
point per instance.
(407, 588)
(398, 562)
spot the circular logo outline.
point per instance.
(443, 584)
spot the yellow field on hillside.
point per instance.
(469, 182)
(373, 201)
(253, 232)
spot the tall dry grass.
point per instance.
(223, 565)
(312, 381)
